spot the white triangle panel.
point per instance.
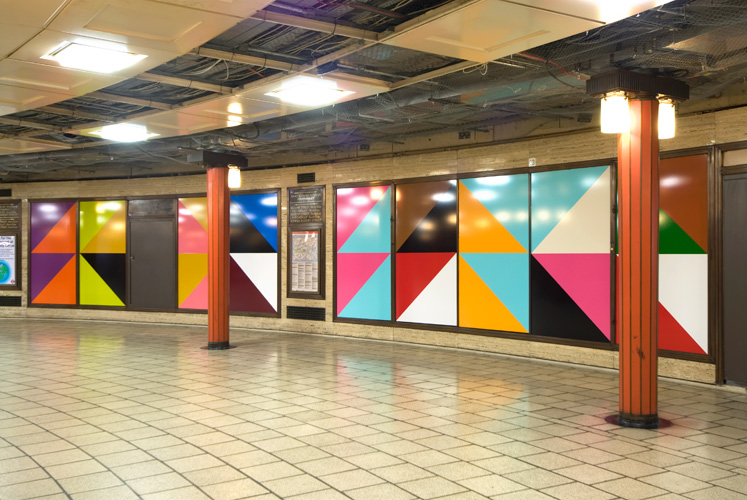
(683, 290)
(262, 269)
(586, 226)
(437, 303)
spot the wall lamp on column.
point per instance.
(616, 87)
(234, 177)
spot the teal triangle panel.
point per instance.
(374, 299)
(507, 276)
(507, 198)
(554, 194)
(374, 233)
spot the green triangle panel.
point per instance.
(93, 289)
(673, 239)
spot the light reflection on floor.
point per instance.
(95, 410)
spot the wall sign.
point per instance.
(8, 254)
(306, 205)
(10, 215)
(305, 261)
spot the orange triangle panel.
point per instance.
(478, 305)
(61, 239)
(61, 290)
(480, 231)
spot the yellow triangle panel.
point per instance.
(192, 270)
(93, 290)
(478, 305)
(112, 237)
(479, 230)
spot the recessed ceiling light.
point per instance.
(89, 58)
(125, 132)
(309, 91)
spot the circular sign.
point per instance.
(4, 272)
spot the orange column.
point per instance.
(637, 297)
(218, 257)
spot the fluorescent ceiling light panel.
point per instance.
(124, 132)
(95, 59)
(309, 91)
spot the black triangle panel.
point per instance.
(244, 237)
(437, 232)
(112, 269)
(554, 313)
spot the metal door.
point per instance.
(152, 263)
(735, 278)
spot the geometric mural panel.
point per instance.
(192, 253)
(52, 267)
(103, 247)
(427, 288)
(683, 257)
(363, 250)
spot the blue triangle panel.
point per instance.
(374, 233)
(374, 299)
(262, 210)
(554, 194)
(507, 276)
(507, 198)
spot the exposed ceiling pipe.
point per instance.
(106, 96)
(313, 24)
(262, 62)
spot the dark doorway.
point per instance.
(735, 278)
(152, 263)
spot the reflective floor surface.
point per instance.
(93, 410)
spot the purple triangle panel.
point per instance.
(44, 216)
(43, 268)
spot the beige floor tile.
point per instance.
(491, 485)
(577, 491)
(401, 473)
(214, 475)
(22, 476)
(630, 489)
(351, 479)
(29, 489)
(700, 471)
(195, 462)
(299, 485)
(537, 478)
(89, 482)
(115, 493)
(187, 493)
(271, 471)
(75, 469)
(231, 490)
(676, 483)
(379, 492)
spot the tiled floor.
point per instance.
(113, 411)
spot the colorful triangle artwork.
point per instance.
(262, 271)
(111, 236)
(197, 208)
(479, 307)
(437, 303)
(354, 205)
(507, 277)
(244, 295)
(61, 238)
(673, 337)
(244, 235)
(585, 227)
(262, 210)
(373, 234)
(94, 291)
(554, 313)
(507, 198)
(586, 279)
(43, 216)
(437, 231)
(193, 237)
(43, 268)
(192, 271)
(479, 230)
(111, 268)
(683, 291)
(673, 240)
(373, 299)
(57, 286)
(414, 202)
(414, 271)
(198, 299)
(554, 193)
(353, 271)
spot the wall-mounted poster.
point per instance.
(103, 252)
(8, 260)
(305, 261)
(53, 266)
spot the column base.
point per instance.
(219, 346)
(638, 421)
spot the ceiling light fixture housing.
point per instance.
(309, 91)
(89, 58)
(125, 132)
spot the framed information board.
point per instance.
(10, 241)
(306, 242)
